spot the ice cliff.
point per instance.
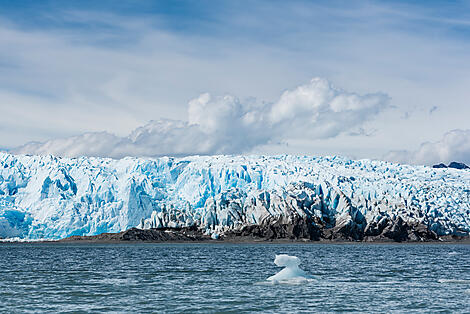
(52, 198)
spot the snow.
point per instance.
(45, 197)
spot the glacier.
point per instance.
(47, 197)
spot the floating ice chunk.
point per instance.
(114, 281)
(291, 274)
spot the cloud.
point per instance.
(67, 69)
(454, 146)
(321, 110)
(433, 109)
(226, 125)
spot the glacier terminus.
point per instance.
(47, 197)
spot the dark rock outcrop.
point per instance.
(386, 230)
(147, 235)
(453, 165)
(301, 229)
(399, 231)
(458, 165)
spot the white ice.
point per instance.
(291, 273)
(456, 281)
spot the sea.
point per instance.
(232, 278)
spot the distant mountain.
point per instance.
(458, 165)
(454, 165)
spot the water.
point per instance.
(228, 278)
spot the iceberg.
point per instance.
(291, 272)
(46, 197)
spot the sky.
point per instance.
(365, 79)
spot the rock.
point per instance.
(345, 229)
(145, 235)
(421, 233)
(299, 228)
(458, 165)
(453, 164)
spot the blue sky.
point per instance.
(74, 67)
(201, 17)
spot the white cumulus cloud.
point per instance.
(226, 125)
(454, 146)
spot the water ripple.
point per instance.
(232, 278)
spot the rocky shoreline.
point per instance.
(302, 230)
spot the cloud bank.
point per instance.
(67, 68)
(226, 125)
(454, 146)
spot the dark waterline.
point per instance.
(226, 278)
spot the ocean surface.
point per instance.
(231, 278)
